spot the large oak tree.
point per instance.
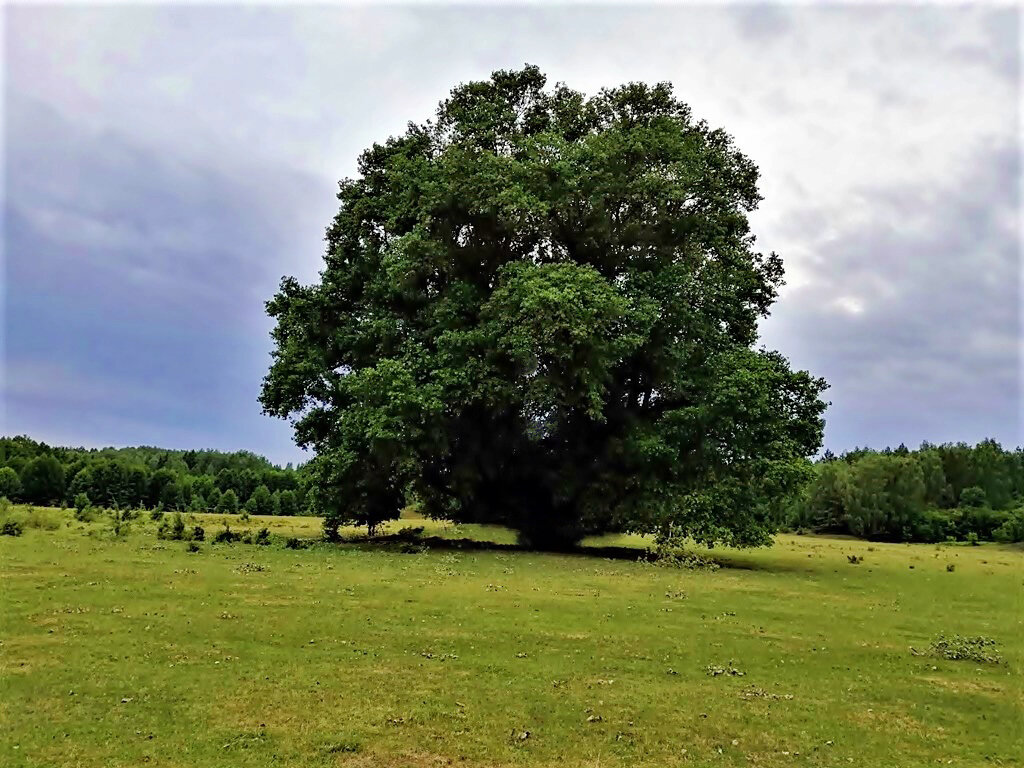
(541, 310)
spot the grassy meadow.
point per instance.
(131, 651)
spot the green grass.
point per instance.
(132, 651)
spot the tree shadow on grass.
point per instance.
(411, 544)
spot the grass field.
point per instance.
(132, 651)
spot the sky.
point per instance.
(165, 166)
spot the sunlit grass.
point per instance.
(132, 651)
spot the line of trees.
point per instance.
(932, 494)
(153, 478)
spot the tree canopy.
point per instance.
(541, 309)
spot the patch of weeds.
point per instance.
(245, 740)
(669, 552)
(752, 692)
(192, 546)
(959, 648)
(855, 559)
(11, 528)
(714, 670)
(198, 534)
(251, 568)
(343, 746)
(262, 537)
(678, 595)
(950, 567)
(294, 543)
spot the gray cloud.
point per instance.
(165, 165)
(915, 320)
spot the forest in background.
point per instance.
(152, 478)
(935, 493)
(938, 492)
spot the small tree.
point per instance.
(261, 502)
(178, 527)
(42, 481)
(228, 503)
(287, 504)
(10, 484)
(973, 496)
(81, 506)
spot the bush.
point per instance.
(1012, 530)
(262, 537)
(11, 528)
(81, 504)
(294, 543)
(972, 539)
(958, 648)
(982, 521)
(178, 527)
(225, 536)
(31, 517)
(669, 552)
(156, 514)
(192, 546)
(119, 522)
(198, 534)
(973, 497)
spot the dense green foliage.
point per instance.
(936, 492)
(540, 311)
(144, 477)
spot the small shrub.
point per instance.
(156, 514)
(244, 517)
(410, 533)
(343, 747)
(81, 504)
(669, 552)
(262, 537)
(163, 530)
(225, 536)
(972, 539)
(950, 567)
(1012, 529)
(198, 534)
(958, 648)
(192, 546)
(178, 527)
(11, 528)
(294, 543)
(119, 522)
(855, 559)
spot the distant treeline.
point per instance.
(145, 477)
(932, 494)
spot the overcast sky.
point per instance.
(165, 166)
